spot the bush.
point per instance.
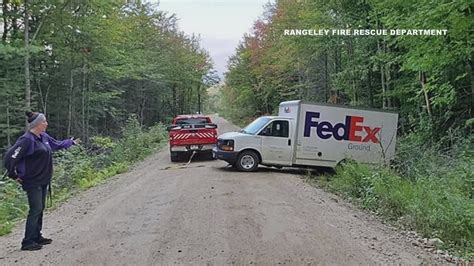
(136, 144)
(429, 189)
(81, 168)
(12, 207)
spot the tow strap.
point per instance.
(190, 158)
(182, 166)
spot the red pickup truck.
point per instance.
(190, 133)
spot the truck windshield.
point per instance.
(255, 126)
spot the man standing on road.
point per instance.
(30, 162)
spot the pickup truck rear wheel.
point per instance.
(174, 156)
(247, 161)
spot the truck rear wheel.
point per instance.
(174, 156)
(247, 161)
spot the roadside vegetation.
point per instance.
(80, 168)
(428, 189)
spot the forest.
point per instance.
(428, 79)
(88, 65)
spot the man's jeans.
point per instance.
(36, 200)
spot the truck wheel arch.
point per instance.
(252, 153)
(254, 150)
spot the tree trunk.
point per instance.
(351, 58)
(382, 81)
(471, 74)
(9, 143)
(87, 118)
(70, 99)
(182, 102)
(337, 67)
(5, 20)
(199, 97)
(40, 92)
(38, 29)
(326, 77)
(142, 107)
(369, 87)
(27, 60)
(388, 78)
(83, 102)
(14, 23)
(174, 100)
(425, 93)
(45, 107)
(382, 76)
(303, 91)
(387, 86)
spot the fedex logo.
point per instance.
(349, 130)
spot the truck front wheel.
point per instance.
(247, 161)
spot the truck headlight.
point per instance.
(225, 144)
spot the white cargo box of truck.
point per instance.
(307, 134)
(327, 134)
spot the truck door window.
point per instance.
(276, 129)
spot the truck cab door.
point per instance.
(277, 144)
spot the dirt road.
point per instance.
(164, 213)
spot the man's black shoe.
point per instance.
(32, 246)
(44, 241)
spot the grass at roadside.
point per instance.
(79, 168)
(426, 190)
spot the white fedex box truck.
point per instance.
(306, 134)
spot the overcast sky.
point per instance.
(220, 23)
